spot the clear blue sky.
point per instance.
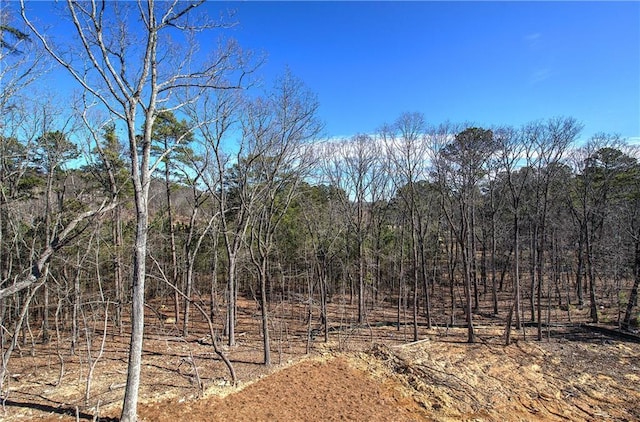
(488, 63)
(484, 62)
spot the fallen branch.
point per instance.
(413, 343)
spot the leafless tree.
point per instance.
(217, 118)
(22, 62)
(515, 153)
(278, 129)
(407, 147)
(550, 141)
(123, 55)
(354, 166)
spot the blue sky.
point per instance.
(489, 63)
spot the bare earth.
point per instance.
(362, 374)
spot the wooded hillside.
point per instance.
(169, 188)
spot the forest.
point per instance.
(168, 192)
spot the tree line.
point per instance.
(171, 178)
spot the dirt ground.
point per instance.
(363, 374)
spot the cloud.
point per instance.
(534, 43)
(539, 75)
(533, 36)
(534, 40)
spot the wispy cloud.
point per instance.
(533, 40)
(539, 75)
(533, 36)
(534, 45)
(634, 140)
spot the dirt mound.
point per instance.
(313, 390)
(438, 380)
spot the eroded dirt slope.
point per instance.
(313, 390)
(442, 380)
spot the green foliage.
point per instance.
(109, 160)
(610, 168)
(173, 135)
(623, 298)
(53, 150)
(29, 183)
(18, 176)
(470, 150)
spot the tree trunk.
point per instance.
(231, 300)
(633, 297)
(401, 282)
(425, 280)
(214, 276)
(265, 313)
(415, 274)
(45, 316)
(593, 307)
(117, 263)
(141, 177)
(130, 404)
(516, 258)
(540, 268)
(494, 292)
(361, 275)
(172, 245)
(453, 255)
(467, 261)
(468, 297)
(187, 292)
(580, 269)
(474, 264)
(323, 300)
(532, 270)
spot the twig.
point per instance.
(197, 374)
(93, 363)
(413, 343)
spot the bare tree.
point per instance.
(122, 54)
(53, 150)
(37, 156)
(493, 203)
(109, 168)
(321, 212)
(277, 128)
(550, 140)
(633, 295)
(20, 125)
(407, 148)
(515, 155)
(354, 166)
(22, 62)
(217, 117)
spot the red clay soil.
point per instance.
(313, 390)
